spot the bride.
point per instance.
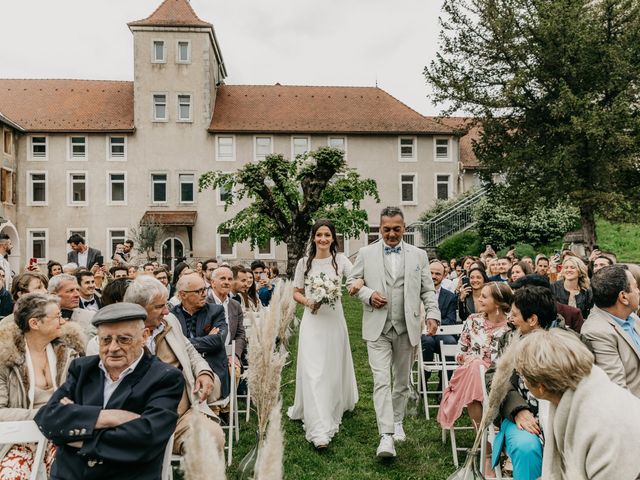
(325, 379)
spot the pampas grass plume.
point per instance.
(269, 464)
(202, 460)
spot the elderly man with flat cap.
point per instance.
(114, 415)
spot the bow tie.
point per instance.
(388, 250)
(88, 302)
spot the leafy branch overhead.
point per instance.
(287, 196)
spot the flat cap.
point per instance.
(119, 312)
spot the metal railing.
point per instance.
(457, 218)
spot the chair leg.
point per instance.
(454, 446)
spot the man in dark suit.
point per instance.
(81, 254)
(447, 303)
(114, 415)
(504, 264)
(204, 325)
(89, 298)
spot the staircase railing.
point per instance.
(457, 218)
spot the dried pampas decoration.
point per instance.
(269, 464)
(202, 460)
(283, 299)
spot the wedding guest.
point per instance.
(119, 271)
(53, 268)
(114, 291)
(23, 283)
(519, 270)
(66, 288)
(572, 288)
(594, 426)
(542, 265)
(251, 300)
(478, 343)
(470, 292)
(35, 352)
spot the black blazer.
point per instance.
(211, 347)
(447, 303)
(135, 449)
(92, 257)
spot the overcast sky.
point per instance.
(294, 42)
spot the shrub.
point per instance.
(522, 250)
(460, 244)
(442, 205)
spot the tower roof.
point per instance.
(172, 13)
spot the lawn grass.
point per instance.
(351, 454)
(623, 239)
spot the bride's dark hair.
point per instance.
(323, 222)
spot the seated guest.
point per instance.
(572, 288)
(70, 268)
(263, 283)
(593, 429)
(23, 283)
(114, 291)
(251, 300)
(519, 270)
(542, 265)
(53, 268)
(635, 271)
(204, 325)
(163, 276)
(479, 341)
(66, 287)
(119, 271)
(470, 292)
(447, 303)
(239, 284)
(113, 416)
(600, 262)
(89, 299)
(613, 328)
(504, 264)
(35, 352)
(167, 342)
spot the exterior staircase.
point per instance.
(457, 218)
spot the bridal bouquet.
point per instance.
(323, 289)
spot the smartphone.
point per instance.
(100, 260)
(465, 282)
(33, 261)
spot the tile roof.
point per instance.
(469, 133)
(172, 13)
(68, 105)
(173, 218)
(280, 108)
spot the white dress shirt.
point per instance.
(151, 341)
(111, 385)
(394, 258)
(83, 257)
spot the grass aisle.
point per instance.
(351, 454)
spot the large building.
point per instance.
(97, 157)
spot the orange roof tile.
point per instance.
(172, 13)
(469, 133)
(68, 105)
(280, 108)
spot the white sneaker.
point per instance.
(386, 448)
(398, 432)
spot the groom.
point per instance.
(397, 279)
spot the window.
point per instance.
(225, 148)
(184, 108)
(407, 149)
(408, 188)
(187, 190)
(374, 234)
(266, 249)
(37, 244)
(78, 148)
(77, 188)
(8, 142)
(160, 107)
(299, 146)
(114, 237)
(183, 52)
(262, 147)
(158, 55)
(223, 195)
(225, 248)
(342, 244)
(442, 187)
(338, 142)
(38, 148)
(36, 188)
(159, 188)
(117, 148)
(117, 188)
(6, 180)
(442, 148)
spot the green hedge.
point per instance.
(460, 244)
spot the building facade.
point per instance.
(97, 157)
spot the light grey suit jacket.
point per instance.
(615, 351)
(418, 288)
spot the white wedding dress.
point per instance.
(325, 379)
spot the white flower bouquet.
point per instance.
(323, 289)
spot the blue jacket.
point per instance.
(447, 303)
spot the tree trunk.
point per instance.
(588, 221)
(296, 249)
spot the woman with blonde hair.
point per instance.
(583, 437)
(573, 287)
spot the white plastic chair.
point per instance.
(26, 432)
(450, 366)
(230, 401)
(489, 433)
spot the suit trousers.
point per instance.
(390, 355)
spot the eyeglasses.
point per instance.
(58, 316)
(199, 291)
(122, 340)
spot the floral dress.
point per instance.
(478, 347)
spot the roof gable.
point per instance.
(172, 13)
(316, 109)
(68, 105)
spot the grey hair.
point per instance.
(391, 212)
(56, 282)
(143, 290)
(32, 305)
(181, 285)
(215, 273)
